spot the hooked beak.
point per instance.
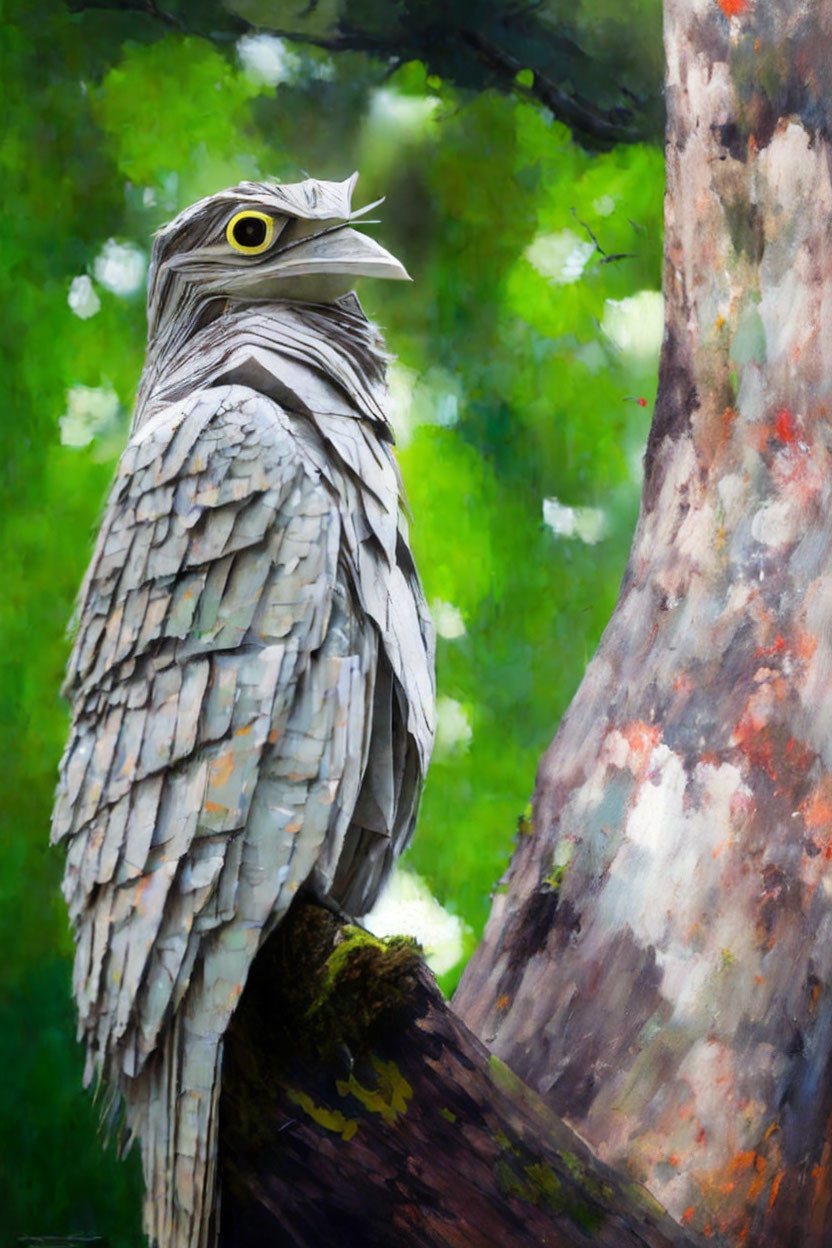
(341, 251)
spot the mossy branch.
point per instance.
(357, 1109)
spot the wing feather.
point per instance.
(214, 712)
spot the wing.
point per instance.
(222, 686)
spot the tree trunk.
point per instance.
(658, 963)
(357, 1110)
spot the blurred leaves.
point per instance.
(596, 64)
(509, 393)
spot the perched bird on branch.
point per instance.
(252, 676)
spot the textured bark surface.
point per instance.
(658, 963)
(357, 1110)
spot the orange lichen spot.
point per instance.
(799, 754)
(758, 979)
(816, 809)
(733, 8)
(719, 322)
(741, 1162)
(805, 645)
(221, 769)
(214, 808)
(778, 646)
(273, 736)
(673, 1160)
(294, 827)
(772, 1127)
(189, 593)
(757, 44)
(503, 1002)
(642, 737)
(752, 739)
(140, 888)
(688, 1214)
(775, 1188)
(243, 732)
(785, 429)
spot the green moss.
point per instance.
(524, 821)
(448, 1114)
(554, 879)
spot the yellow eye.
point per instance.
(250, 232)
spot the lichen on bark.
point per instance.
(682, 1018)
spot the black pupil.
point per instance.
(250, 232)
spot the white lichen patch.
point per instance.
(776, 523)
(678, 838)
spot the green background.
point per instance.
(509, 392)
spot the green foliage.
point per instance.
(509, 393)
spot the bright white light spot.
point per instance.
(448, 619)
(561, 257)
(589, 524)
(430, 399)
(447, 410)
(453, 731)
(409, 113)
(266, 59)
(88, 410)
(636, 324)
(604, 205)
(82, 297)
(407, 907)
(120, 267)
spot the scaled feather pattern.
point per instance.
(252, 676)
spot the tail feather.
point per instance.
(174, 1109)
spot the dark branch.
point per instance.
(495, 43)
(358, 1110)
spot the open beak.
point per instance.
(342, 251)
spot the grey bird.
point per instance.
(252, 676)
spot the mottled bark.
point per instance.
(357, 1110)
(659, 963)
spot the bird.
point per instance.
(252, 675)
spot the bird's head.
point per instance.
(263, 241)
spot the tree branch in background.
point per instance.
(473, 46)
